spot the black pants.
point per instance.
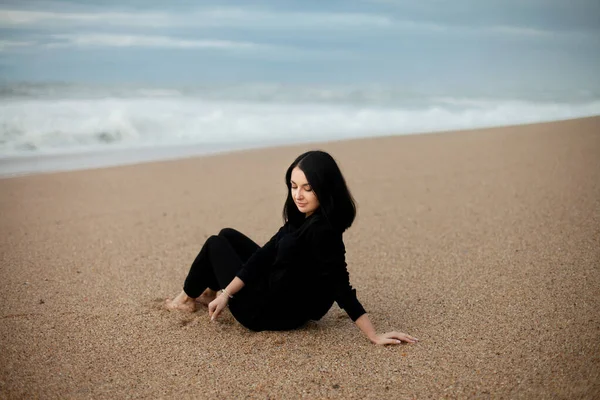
(219, 261)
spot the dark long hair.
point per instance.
(325, 178)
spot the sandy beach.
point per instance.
(484, 244)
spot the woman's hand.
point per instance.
(393, 338)
(217, 305)
(368, 329)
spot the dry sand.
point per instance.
(484, 244)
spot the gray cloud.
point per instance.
(200, 18)
(237, 18)
(15, 44)
(529, 42)
(553, 15)
(115, 40)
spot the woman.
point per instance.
(298, 274)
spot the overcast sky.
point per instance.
(486, 44)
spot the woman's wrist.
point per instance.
(226, 293)
(365, 325)
(373, 337)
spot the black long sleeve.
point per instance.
(329, 251)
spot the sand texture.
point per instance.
(483, 244)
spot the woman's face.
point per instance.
(302, 193)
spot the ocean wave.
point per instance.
(167, 118)
(278, 93)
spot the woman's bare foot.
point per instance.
(206, 297)
(182, 302)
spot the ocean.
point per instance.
(52, 127)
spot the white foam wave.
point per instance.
(45, 126)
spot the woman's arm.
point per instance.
(329, 250)
(365, 325)
(217, 305)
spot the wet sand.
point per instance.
(483, 244)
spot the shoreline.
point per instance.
(24, 165)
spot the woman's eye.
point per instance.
(309, 189)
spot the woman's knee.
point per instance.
(227, 233)
(212, 240)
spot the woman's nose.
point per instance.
(298, 195)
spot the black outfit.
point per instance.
(295, 277)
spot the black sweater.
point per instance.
(303, 271)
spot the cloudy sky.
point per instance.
(490, 44)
